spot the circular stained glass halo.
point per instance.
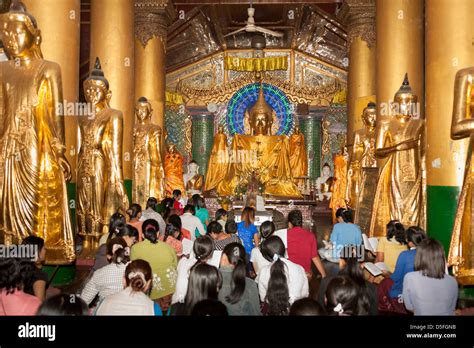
(246, 97)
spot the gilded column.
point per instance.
(361, 77)
(400, 30)
(150, 41)
(112, 24)
(449, 32)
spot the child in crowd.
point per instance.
(247, 231)
(178, 201)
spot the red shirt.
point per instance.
(178, 206)
(302, 247)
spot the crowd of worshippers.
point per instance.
(173, 258)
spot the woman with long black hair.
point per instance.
(204, 284)
(238, 293)
(282, 282)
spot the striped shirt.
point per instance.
(220, 244)
(106, 281)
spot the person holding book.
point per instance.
(390, 246)
(430, 273)
(173, 238)
(389, 291)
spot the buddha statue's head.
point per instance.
(20, 34)
(96, 86)
(171, 148)
(297, 129)
(193, 167)
(143, 110)
(260, 116)
(405, 102)
(220, 129)
(326, 171)
(369, 115)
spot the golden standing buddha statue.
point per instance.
(100, 188)
(363, 154)
(399, 194)
(461, 250)
(298, 158)
(173, 171)
(33, 166)
(217, 161)
(148, 173)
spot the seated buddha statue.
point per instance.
(324, 184)
(193, 180)
(260, 152)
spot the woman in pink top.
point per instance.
(172, 237)
(14, 274)
(135, 213)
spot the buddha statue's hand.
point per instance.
(65, 167)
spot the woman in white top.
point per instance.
(133, 299)
(202, 252)
(282, 282)
(107, 280)
(267, 228)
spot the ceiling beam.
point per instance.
(254, 2)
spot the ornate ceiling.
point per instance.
(312, 27)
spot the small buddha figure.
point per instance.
(324, 184)
(173, 170)
(461, 250)
(148, 173)
(339, 184)
(193, 180)
(298, 158)
(33, 165)
(260, 116)
(399, 188)
(363, 154)
(217, 161)
(100, 188)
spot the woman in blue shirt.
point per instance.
(391, 288)
(344, 232)
(247, 231)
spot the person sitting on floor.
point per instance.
(132, 300)
(389, 291)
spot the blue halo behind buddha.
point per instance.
(245, 97)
